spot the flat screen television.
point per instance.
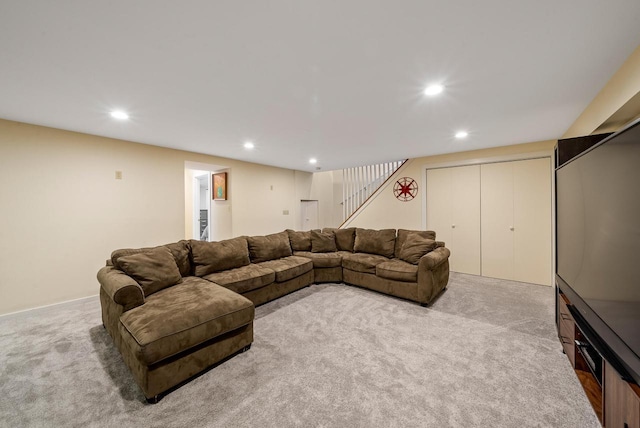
(598, 244)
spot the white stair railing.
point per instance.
(359, 183)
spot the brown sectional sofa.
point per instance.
(176, 310)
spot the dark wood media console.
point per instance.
(615, 401)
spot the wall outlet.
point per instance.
(285, 212)
(118, 175)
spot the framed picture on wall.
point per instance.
(220, 186)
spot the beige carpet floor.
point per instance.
(485, 354)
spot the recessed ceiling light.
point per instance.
(119, 114)
(461, 134)
(249, 145)
(313, 160)
(433, 90)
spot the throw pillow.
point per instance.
(345, 238)
(270, 247)
(381, 242)
(323, 242)
(210, 257)
(403, 233)
(300, 241)
(180, 251)
(153, 270)
(415, 246)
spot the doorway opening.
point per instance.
(201, 204)
(205, 219)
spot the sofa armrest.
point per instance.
(433, 259)
(120, 287)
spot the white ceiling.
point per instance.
(340, 81)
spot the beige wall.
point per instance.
(620, 89)
(385, 211)
(63, 211)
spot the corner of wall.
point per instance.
(623, 86)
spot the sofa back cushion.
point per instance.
(402, 236)
(180, 250)
(210, 257)
(345, 238)
(416, 246)
(153, 270)
(381, 242)
(300, 241)
(323, 242)
(270, 247)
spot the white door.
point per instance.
(516, 220)
(309, 213)
(532, 221)
(453, 212)
(497, 220)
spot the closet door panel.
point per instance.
(532, 221)
(453, 211)
(497, 220)
(439, 203)
(465, 199)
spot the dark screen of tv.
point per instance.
(598, 241)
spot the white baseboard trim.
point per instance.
(45, 308)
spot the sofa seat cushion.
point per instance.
(397, 270)
(243, 279)
(322, 260)
(362, 262)
(288, 267)
(178, 318)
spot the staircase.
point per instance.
(360, 183)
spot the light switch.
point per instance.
(118, 175)
(285, 212)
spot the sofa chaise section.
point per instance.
(171, 335)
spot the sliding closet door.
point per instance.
(497, 220)
(465, 230)
(453, 211)
(516, 220)
(532, 221)
(439, 204)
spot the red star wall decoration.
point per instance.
(405, 189)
